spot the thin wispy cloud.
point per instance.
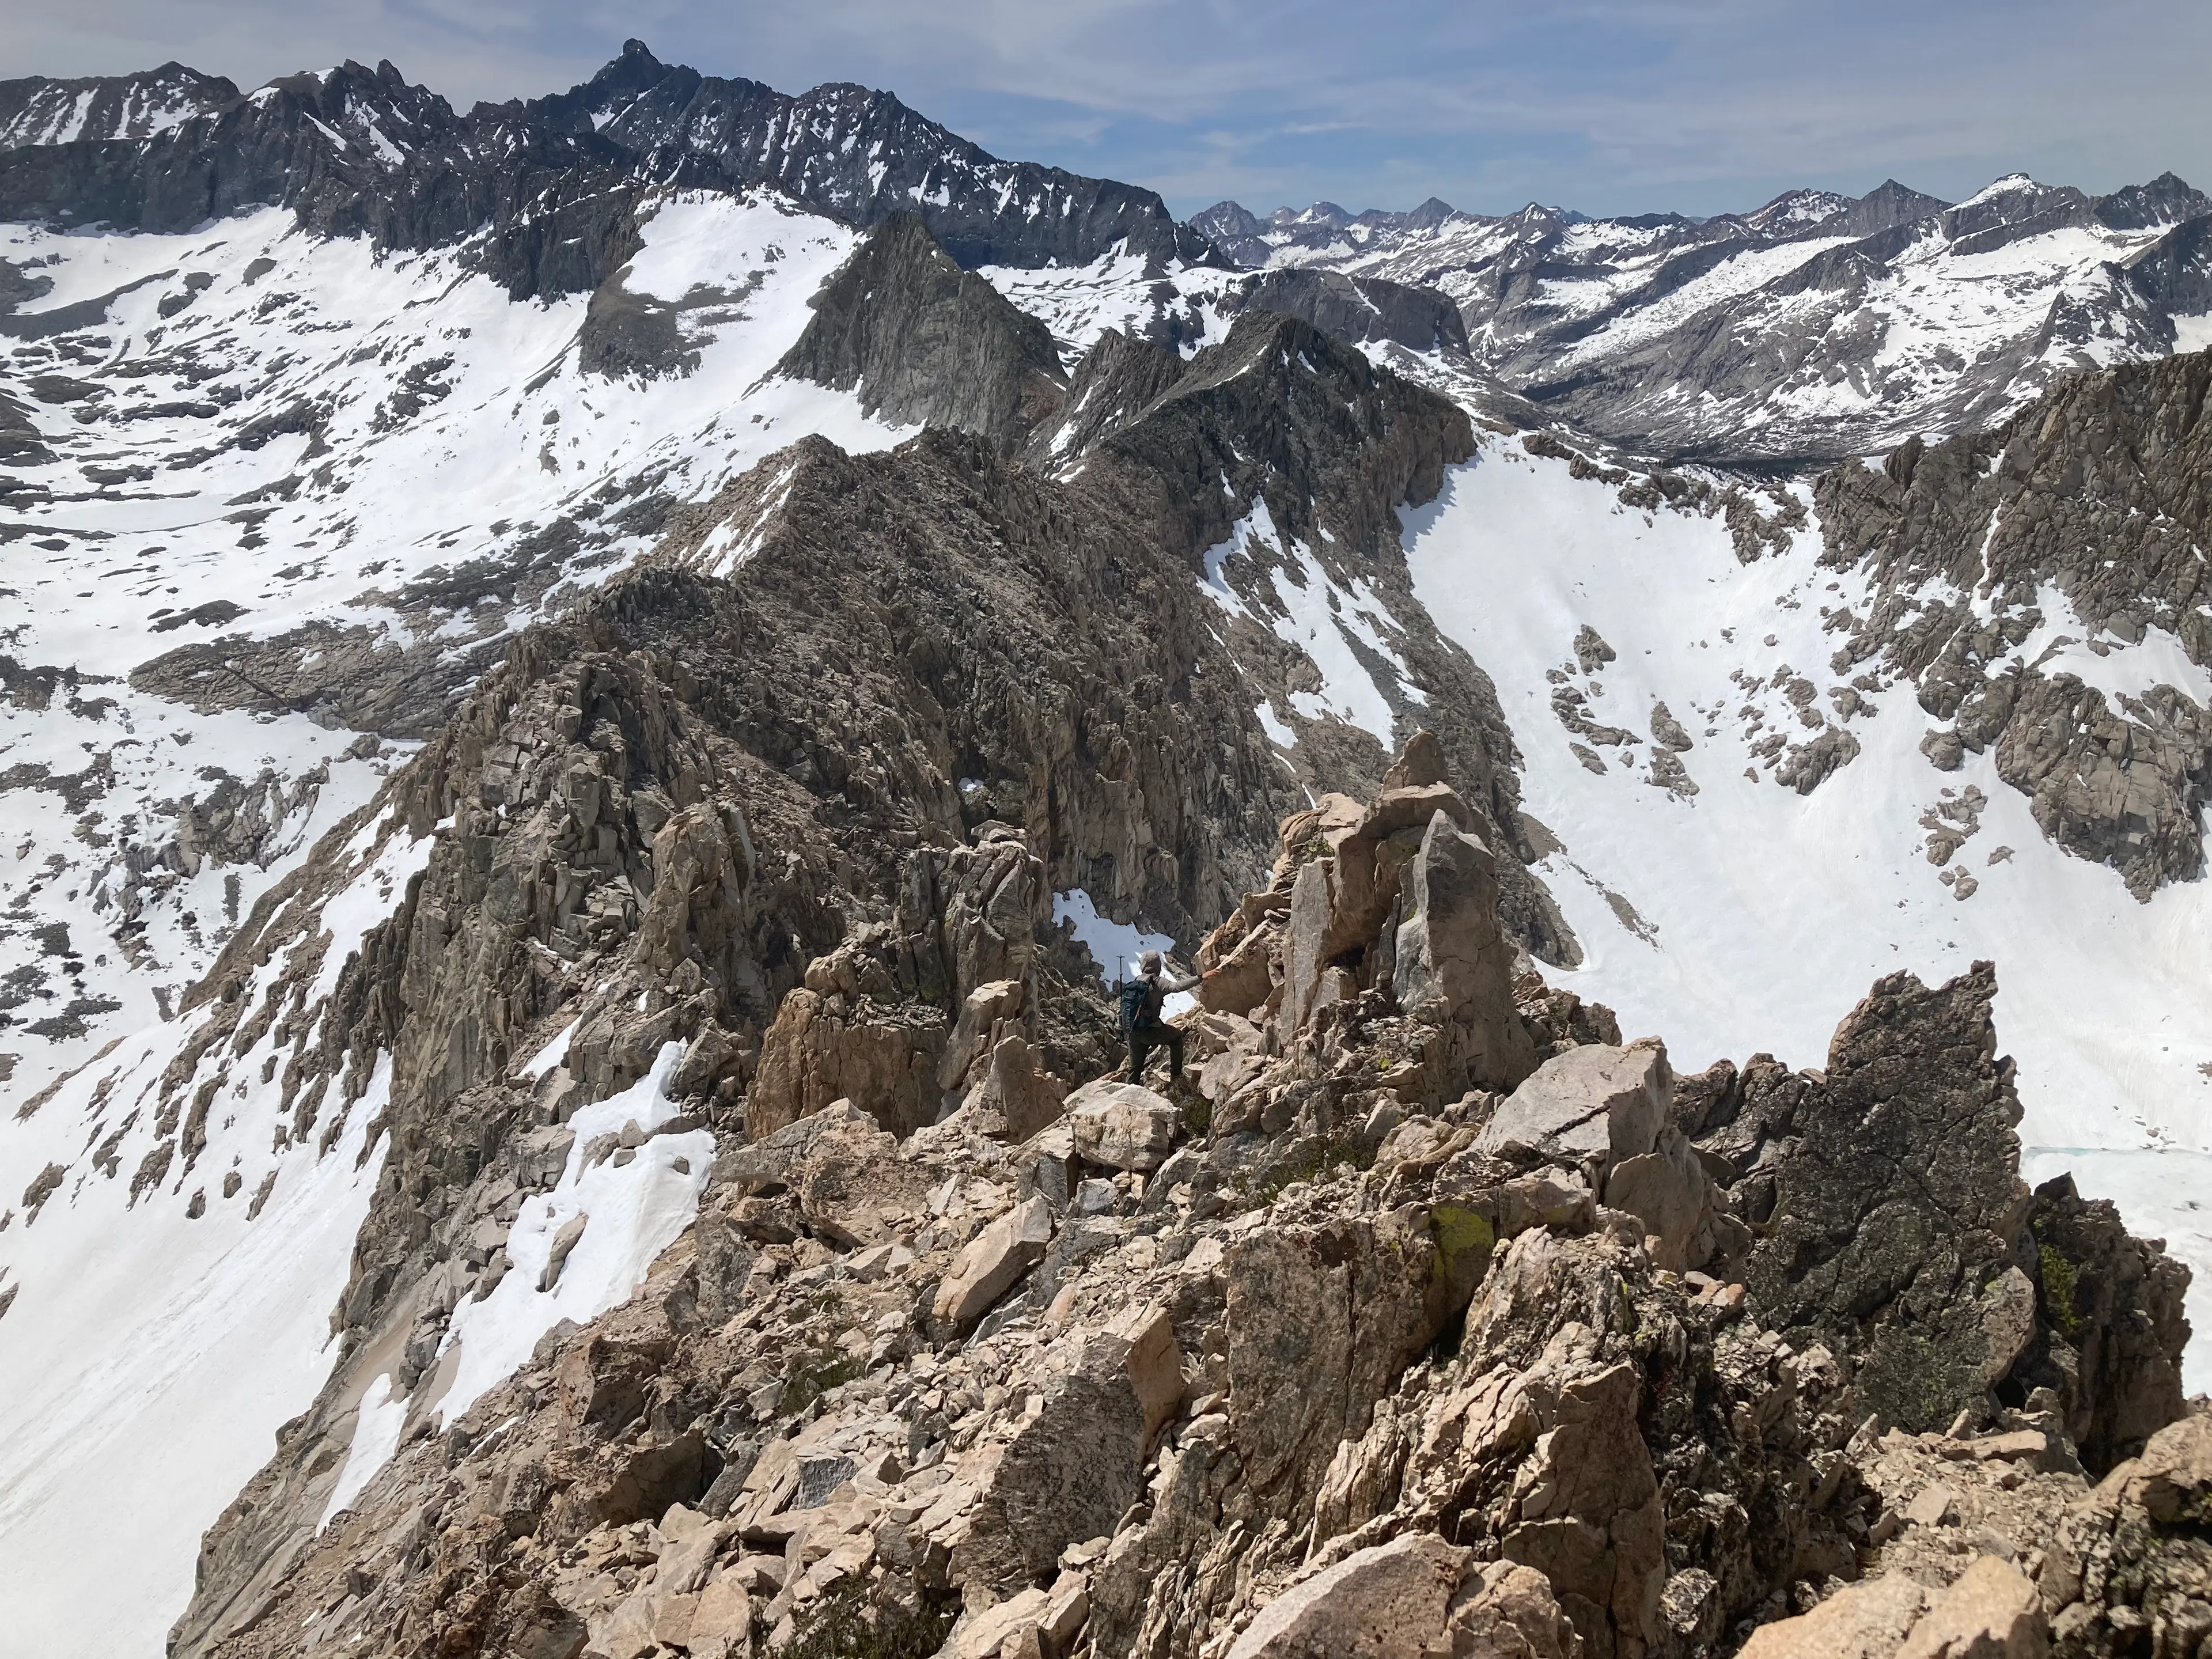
(1607, 106)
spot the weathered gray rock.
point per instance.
(1860, 1621)
(1453, 969)
(564, 1242)
(1590, 1107)
(1305, 939)
(853, 1182)
(2117, 1305)
(1068, 1476)
(1546, 1197)
(722, 1623)
(1992, 1612)
(1591, 652)
(1388, 1602)
(884, 1058)
(992, 1261)
(2089, 491)
(1154, 1365)
(1420, 762)
(1506, 1611)
(1015, 1087)
(1122, 1126)
(1669, 1191)
(1354, 309)
(975, 1033)
(1591, 1480)
(1372, 857)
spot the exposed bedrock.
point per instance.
(1582, 1359)
(2096, 495)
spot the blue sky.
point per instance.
(1697, 106)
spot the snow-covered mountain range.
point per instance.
(409, 516)
(1816, 325)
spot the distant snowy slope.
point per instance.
(288, 494)
(1814, 325)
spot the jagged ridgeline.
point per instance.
(549, 187)
(770, 606)
(1430, 1318)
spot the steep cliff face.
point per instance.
(2009, 567)
(927, 343)
(862, 156)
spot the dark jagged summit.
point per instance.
(929, 344)
(860, 156)
(551, 185)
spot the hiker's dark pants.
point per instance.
(1143, 1039)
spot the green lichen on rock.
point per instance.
(2058, 1287)
(1459, 1232)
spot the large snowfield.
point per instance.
(159, 1321)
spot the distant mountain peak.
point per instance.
(856, 155)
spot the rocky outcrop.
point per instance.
(1365, 1361)
(1356, 309)
(1890, 1222)
(357, 676)
(1895, 1229)
(1992, 1609)
(1122, 1126)
(2111, 1308)
(1118, 380)
(1995, 1543)
(1389, 1601)
(926, 344)
(2090, 500)
(1450, 965)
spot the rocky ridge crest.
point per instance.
(1422, 1316)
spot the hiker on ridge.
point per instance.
(1142, 1001)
